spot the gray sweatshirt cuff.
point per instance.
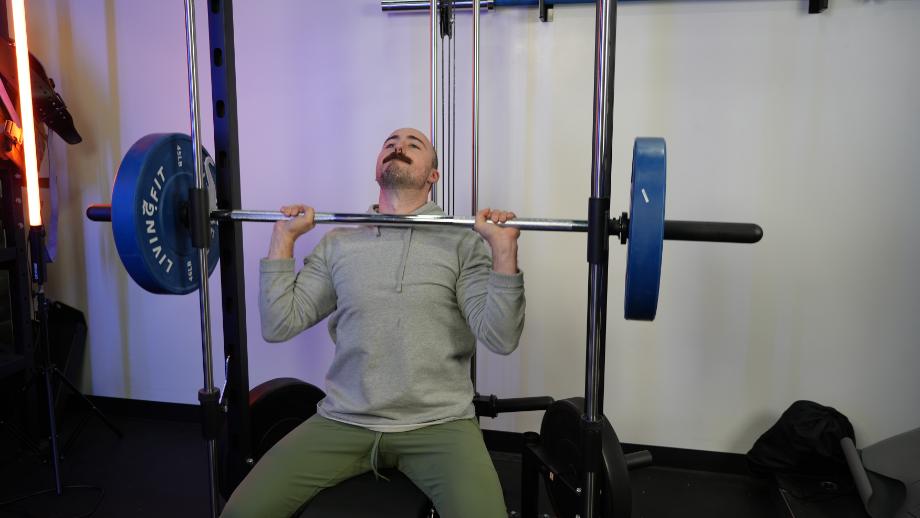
(504, 280)
(276, 265)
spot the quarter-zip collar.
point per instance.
(428, 208)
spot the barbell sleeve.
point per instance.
(674, 230)
(99, 212)
(713, 232)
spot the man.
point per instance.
(405, 307)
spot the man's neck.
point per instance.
(398, 201)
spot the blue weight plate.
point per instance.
(148, 201)
(646, 229)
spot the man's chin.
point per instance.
(390, 181)
(400, 183)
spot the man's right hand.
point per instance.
(287, 231)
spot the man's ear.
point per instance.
(433, 176)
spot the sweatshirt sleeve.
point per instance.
(289, 303)
(492, 303)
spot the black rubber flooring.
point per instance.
(159, 469)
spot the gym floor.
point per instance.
(158, 469)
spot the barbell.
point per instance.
(150, 221)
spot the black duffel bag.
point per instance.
(803, 451)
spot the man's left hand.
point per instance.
(502, 240)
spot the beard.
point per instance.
(396, 175)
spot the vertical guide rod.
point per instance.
(453, 109)
(203, 295)
(474, 188)
(604, 59)
(445, 118)
(474, 191)
(435, 36)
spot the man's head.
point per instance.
(407, 160)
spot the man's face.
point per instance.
(406, 161)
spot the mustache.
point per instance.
(396, 155)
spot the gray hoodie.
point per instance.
(406, 306)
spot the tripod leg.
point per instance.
(53, 428)
(89, 403)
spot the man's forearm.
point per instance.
(281, 246)
(504, 258)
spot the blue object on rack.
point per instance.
(153, 240)
(646, 228)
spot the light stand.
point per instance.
(37, 236)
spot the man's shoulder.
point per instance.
(344, 233)
(338, 236)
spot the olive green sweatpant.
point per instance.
(448, 462)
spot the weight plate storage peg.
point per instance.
(150, 213)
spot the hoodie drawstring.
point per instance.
(375, 452)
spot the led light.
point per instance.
(25, 111)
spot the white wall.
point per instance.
(806, 124)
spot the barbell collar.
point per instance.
(198, 217)
(599, 230)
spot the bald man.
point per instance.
(405, 306)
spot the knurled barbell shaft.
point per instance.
(674, 230)
(552, 225)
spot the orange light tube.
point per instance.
(25, 111)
